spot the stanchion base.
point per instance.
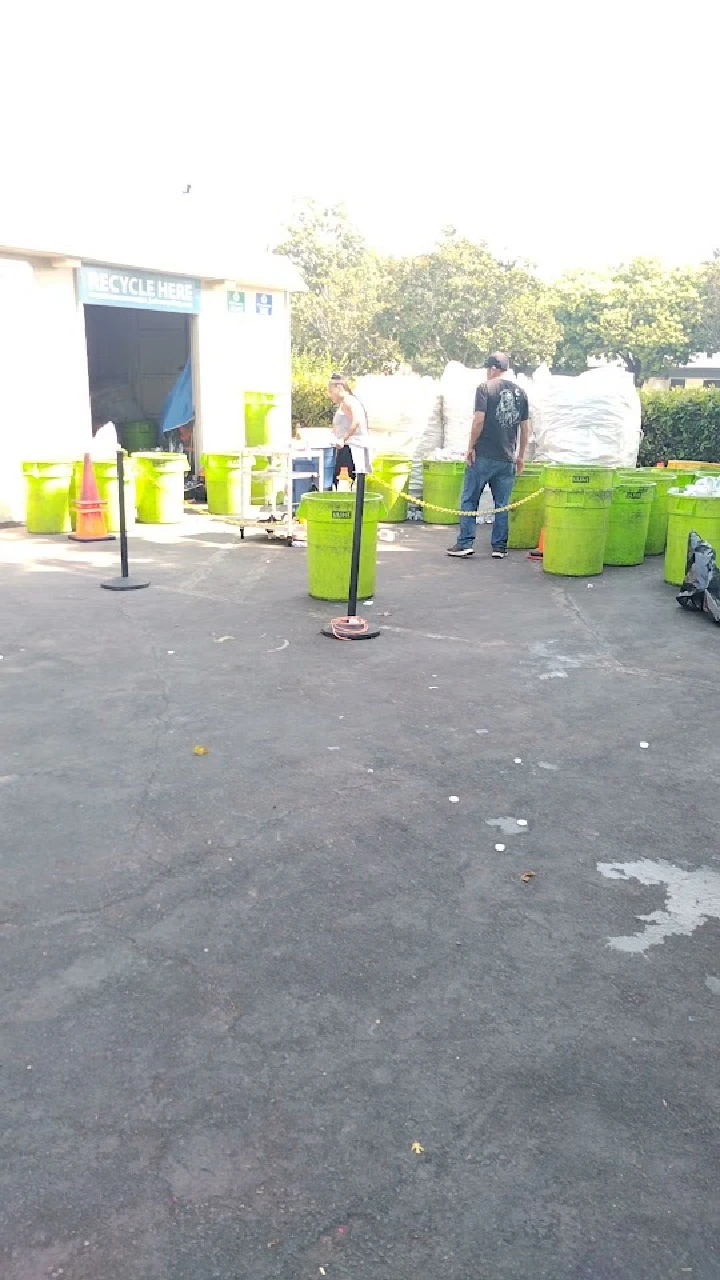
(124, 584)
(350, 629)
(102, 537)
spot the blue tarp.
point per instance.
(178, 408)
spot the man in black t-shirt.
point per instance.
(494, 455)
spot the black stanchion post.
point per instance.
(352, 627)
(124, 582)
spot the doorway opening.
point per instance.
(136, 358)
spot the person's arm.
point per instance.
(349, 405)
(522, 447)
(476, 431)
(478, 421)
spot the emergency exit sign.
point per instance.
(145, 291)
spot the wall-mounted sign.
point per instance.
(235, 300)
(263, 304)
(120, 287)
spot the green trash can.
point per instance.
(47, 487)
(161, 487)
(138, 437)
(223, 481)
(688, 514)
(258, 407)
(527, 521)
(442, 486)
(663, 479)
(577, 507)
(108, 489)
(330, 519)
(393, 469)
(630, 510)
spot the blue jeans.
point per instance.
(500, 475)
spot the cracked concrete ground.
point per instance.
(237, 988)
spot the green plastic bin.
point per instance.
(258, 407)
(393, 469)
(48, 496)
(330, 519)
(442, 486)
(161, 487)
(223, 481)
(630, 510)
(689, 515)
(137, 437)
(577, 508)
(663, 479)
(527, 522)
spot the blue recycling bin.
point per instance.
(305, 478)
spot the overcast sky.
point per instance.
(571, 134)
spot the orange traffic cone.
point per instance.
(90, 523)
(537, 554)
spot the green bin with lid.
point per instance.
(161, 487)
(663, 479)
(442, 487)
(393, 469)
(526, 522)
(628, 521)
(689, 513)
(330, 519)
(577, 509)
(47, 486)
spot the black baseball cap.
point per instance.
(498, 360)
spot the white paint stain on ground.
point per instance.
(691, 898)
(508, 826)
(713, 984)
(545, 764)
(553, 675)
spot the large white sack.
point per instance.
(404, 415)
(591, 418)
(458, 386)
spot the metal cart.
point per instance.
(275, 477)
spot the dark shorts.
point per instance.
(343, 458)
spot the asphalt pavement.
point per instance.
(412, 972)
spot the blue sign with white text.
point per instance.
(263, 304)
(146, 291)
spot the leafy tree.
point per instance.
(644, 315)
(336, 319)
(460, 303)
(709, 282)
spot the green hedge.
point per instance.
(680, 424)
(311, 405)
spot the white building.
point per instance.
(84, 319)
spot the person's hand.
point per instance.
(470, 457)
(519, 466)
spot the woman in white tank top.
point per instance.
(350, 427)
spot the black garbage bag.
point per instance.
(701, 588)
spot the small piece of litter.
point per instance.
(544, 764)
(433, 686)
(29, 1067)
(322, 1271)
(341, 717)
(517, 760)
(333, 748)
(222, 639)
(482, 730)
(369, 602)
(206, 949)
(371, 770)
(522, 822)
(453, 799)
(527, 876)
(170, 653)
(644, 745)
(590, 586)
(417, 1149)
(200, 751)
(500, 848)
